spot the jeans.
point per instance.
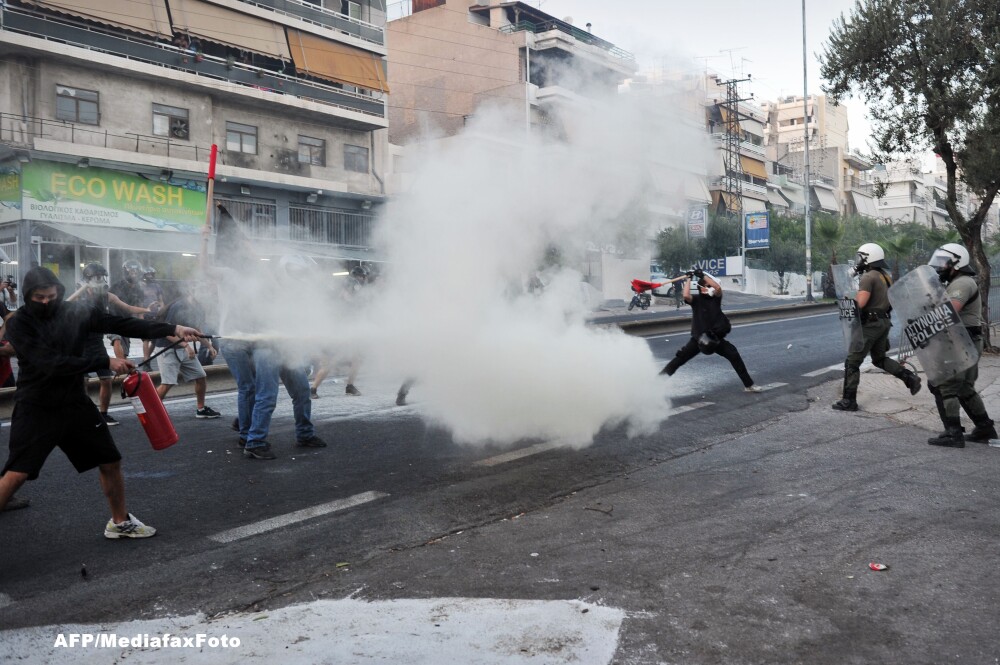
(297, 384)
(256, 371)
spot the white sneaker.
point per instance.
(753, 389)
(130, 528)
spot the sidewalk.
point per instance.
(884, 394)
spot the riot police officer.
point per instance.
(873, 309)
(951, 261)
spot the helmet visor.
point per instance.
(942, 259)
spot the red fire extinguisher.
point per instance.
(138, 388)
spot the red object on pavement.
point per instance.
(153, 417)
(877, 566)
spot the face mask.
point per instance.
(43, 310)
(944, 274)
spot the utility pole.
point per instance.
(805, 125)
(733, 165)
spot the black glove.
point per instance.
(699, 273)
(689, 274)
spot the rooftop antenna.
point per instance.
(732, 64)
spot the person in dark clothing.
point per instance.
(129, 291)
(51, 407)
(709, 327)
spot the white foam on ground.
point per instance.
(432, 631)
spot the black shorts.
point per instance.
(79, 430)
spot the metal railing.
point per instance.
(22, 131)
(323, 17)
(576, 33)
(330, 226)
(257, 218)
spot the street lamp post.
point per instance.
(805, 124)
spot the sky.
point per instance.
(730, 37)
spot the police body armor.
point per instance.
(931, 325)
(850, 321)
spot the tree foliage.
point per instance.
(929, 72)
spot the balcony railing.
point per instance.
(576, 33)
(209, 68)
(752, 148)
(21, 131)
(327, 18)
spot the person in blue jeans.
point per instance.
(255, 368)
(296, 380)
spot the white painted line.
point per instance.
(5, 600)
(517, 454)
(273, 523)
(824, 370)
(773, 385)
(757, 323)
(688, 407)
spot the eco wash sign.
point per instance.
(54, 192)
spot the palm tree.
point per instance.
(828, 234)
(899, 247)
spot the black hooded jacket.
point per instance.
(50, 351)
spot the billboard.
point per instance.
(10, 195)
(57, 192)
(716, 267)
(697, 221)
(757, 229)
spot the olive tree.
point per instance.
(929, 72)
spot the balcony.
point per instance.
(751, 149)
(326, 18)
(213, 72)
(579, 35)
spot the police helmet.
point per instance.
(359, 272)
(132, 270)
(869, 254)
(948, 256)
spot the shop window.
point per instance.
(170, 121)
(312, 151)
(356, 158)
(76, 105)
(241, 138)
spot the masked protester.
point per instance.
(874, 311)
(951, 261)
(51, 407)
(709, 327)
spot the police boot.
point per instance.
(912, 381)
(983, 432)
(849, 402)
(952, 437)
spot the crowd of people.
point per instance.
(58, 340)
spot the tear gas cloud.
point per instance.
(494, 362)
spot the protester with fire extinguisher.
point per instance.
(51, 407)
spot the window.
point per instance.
(241, 138)
(356, 158)
(77, 105)
(312, 151)
(170, 121)
(352, 9)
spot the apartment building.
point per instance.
(840, 181)
(112, 107)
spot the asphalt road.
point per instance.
(714, 534)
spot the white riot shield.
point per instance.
(932, 325)
(847, 290)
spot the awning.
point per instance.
(793, 196)
(776, 199)
(695, 188)
(826, 199)
(753, 205)
(133, 239)
(225, 26)
(145, 16)
(864, 204)
(336, 62)
(753, 167)
(721, 200)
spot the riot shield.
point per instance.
(850, 322)
(931, 325)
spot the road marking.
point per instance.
(518, 454)
(521, 453)
(747, 325)
(5, 600)
(273, 523)
(865, 366)
(772, 386)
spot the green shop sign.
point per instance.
(10, 195)
(56, 192)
